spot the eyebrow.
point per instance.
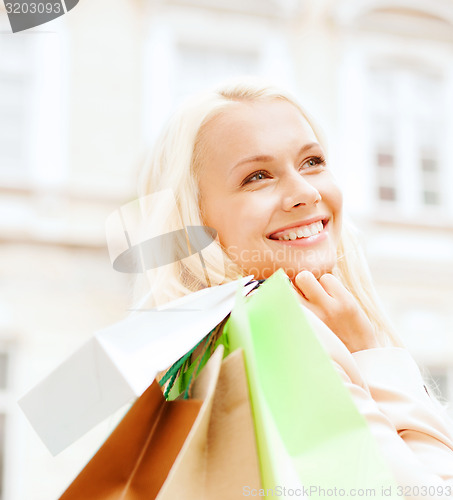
(267, 158)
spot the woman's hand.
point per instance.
(338, 309)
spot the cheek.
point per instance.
(241, 221)
(332, 198)
(331, 195)
(245, 223)
(221, 214)
(335, 202)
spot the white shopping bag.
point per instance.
(120, 362)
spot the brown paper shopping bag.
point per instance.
(197, 449)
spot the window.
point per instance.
(32, 107)
(201, 66)
(407, 115)
(3, 370)
(189, 49)
(384, 157)
(440, 379)
(429, 125)
(4, 383)
(15, 90)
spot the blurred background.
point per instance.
(82, 97)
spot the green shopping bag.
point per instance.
(309, 431)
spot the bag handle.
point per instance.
(184, 365)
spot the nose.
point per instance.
(299, 191)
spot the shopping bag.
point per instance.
(309, 432)
(195, 449)
(119, 362)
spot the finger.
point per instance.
(311, 288)
(333, 286)
(300, 295)
(338, 293)
(305, 302)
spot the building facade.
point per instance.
(83, 97)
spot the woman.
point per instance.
(249, 162)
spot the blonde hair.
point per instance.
(175, 164)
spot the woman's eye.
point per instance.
(256, 176)
(314, 161)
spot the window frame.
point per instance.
(178, 26)
(360, 52)
(45, 145)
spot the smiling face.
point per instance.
(265, 187)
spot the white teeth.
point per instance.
(303, 232)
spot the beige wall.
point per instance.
(57, 285)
